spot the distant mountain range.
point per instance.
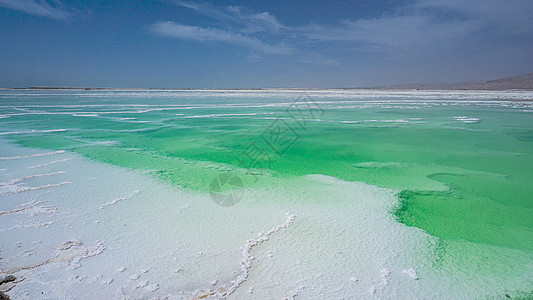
(520, 82)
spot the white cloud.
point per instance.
(239, 26)
(39, 8)
(430, 24)
(424, 27)
(391, 32)
(255, 22)
(185, 32)
(247, 21)
(512, 16)
(208, 10)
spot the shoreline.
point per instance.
(88, 89)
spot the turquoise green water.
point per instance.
(462, 162)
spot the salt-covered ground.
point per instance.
(76, 229)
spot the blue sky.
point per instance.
(254, 44)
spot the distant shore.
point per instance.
(259, 89)
(513, 83)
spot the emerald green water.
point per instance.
(461, 161)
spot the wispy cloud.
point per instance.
(238, 26)
(256, 22)
(39, 8)
(238, 16)
(185, 32)
(208, 10)
(394, 31)
(426, 27)
(513, 17)
(429, 23)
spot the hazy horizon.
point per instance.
(411, 85)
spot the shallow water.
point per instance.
(435, 181)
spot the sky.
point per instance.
(262, 44)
